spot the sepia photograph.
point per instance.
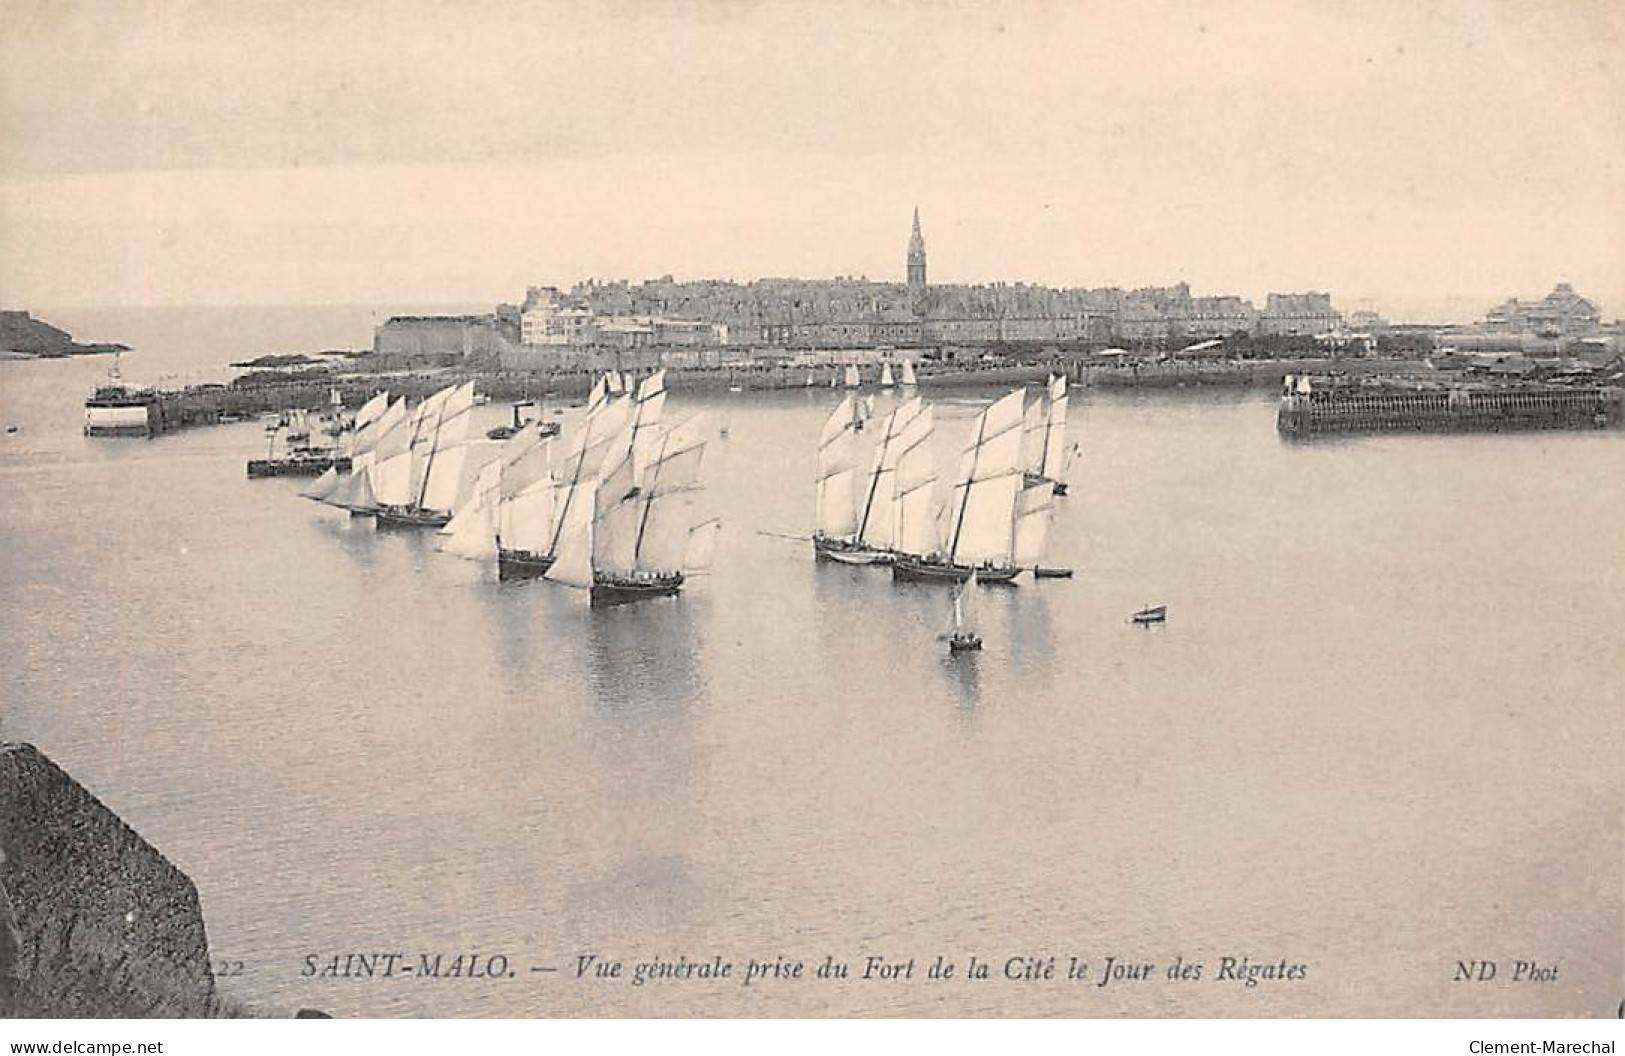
(728, 510)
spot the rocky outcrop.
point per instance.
(99, 923)
(24, 337)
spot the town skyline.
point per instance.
(1402, 159)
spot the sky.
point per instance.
(1423, 159)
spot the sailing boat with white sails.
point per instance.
(421, 485)
(873, 524)
(835, 514)
(380, 419)
(542, 500)
(886, 380)
(852, 378)
(908, 373)
(638, 538)
(965, 636)
(978, 534)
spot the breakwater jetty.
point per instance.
(1321, 405)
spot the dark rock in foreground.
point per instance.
(99, 923)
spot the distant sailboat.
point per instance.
(908, 373)
(886, 381)
(965, 636)
(978, 533)
(852, 378)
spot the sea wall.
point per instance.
(101, 924)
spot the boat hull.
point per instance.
(522, 564)
(609, 590)
(401, 517)
(1040, 572)
(922, 570)
(849, 553)
(295, 467)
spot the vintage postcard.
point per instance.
(785, 509)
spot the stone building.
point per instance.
(1299, 314)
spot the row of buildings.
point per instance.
(720, 321)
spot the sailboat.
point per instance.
(1045, 452)
(872, 541)
(852, 378)
(835, 515)
(908, 373)
(542, 500)
(429, 474)
(380, 419)
(978, 533)
(886, 381)
(964, 637)
(639, 535)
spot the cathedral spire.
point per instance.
(916, 266)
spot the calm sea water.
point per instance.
(1380, 732)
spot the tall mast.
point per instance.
(976, 454)
(575, 480)
(423, 488)
(648, 499)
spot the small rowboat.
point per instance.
(1040, 572)
(1150, 614)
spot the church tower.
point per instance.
(916, 267)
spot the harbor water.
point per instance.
(1378, 735)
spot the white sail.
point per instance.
(617, 519)
(526, 457)
(1056, 453)
(323, 486)
(876, 514)
(702, 547)
(908, 373)
(573, 548)
(472, 532)
(392, 478)
(1033, 429)
(981, 519)
(835, 508)
(574, 486)
(886, 380)
(852, 379)
(370, 411)
(1035, 507)
(966, 606)
(616, 382)
(423, 428)
(443, 482)
(355, 491)
(386, 434)
(915, 504)
(642, 434)
(525, 521)
(666, 497)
